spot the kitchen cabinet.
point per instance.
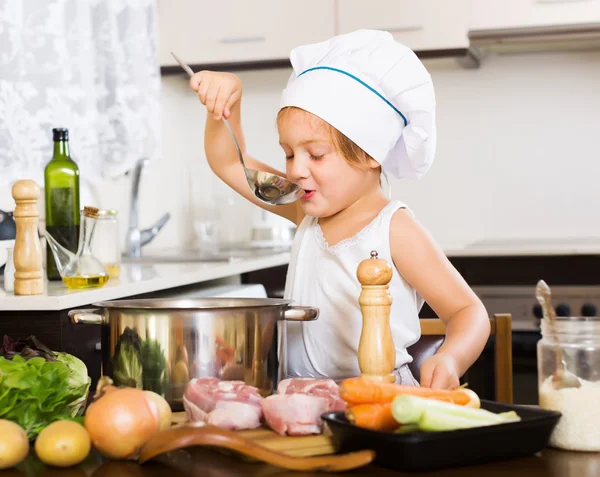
(420, 25)
(500, 14)
(204, 32)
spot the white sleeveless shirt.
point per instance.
(325, 277)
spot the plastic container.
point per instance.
(424, 451)
(578, 339)
(105, 244)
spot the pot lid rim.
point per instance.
(187, 304)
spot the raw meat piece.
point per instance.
(194, 413)
(235, 415)
(325, 388)
(294, 414)
(228, 404)
(297, 407)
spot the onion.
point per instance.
(164, 409)
(121, 421)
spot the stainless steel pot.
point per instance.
(160, 344)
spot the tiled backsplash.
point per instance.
(517, 154)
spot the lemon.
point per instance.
(14, 445)
(63, 444)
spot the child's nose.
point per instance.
(297, 170)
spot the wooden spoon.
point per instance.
(562, 378)
(213, 436)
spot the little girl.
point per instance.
(355, 106)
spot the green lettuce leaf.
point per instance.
(78, 377)
(36, 392)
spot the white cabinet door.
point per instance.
(493, 14)
(419, 24)
(225, 31)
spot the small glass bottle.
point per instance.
(61, 190)
(105, 244)
(578, 342)
(83, 269)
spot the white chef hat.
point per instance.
(373, 90)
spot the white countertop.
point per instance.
(527, 247)
(142, 278)
(135, 279)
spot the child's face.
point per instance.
(330, 182)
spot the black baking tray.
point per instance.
(424, 451)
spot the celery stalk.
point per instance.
(406, 428)
(510, 416)
(405, 411)
(432, 415)
(436, 420)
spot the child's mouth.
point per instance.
(308, 194)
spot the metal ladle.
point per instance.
(268, 187)
(561, 378)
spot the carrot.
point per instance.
(365, 391)
(377, 416)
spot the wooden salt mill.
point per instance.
(376, 350)
(28, 249)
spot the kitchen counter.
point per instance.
(202, 462)
(529, 247)
(137, 279)
(147, 277)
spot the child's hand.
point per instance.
(439, 372)
(217, 91)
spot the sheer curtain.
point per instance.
(88, 65)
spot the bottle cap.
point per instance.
(91, 212)
(60, 134)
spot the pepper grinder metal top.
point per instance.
(376, 350)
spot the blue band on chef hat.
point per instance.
(361, 82)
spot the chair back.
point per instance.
(433, 336)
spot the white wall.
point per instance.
(518, 150)
(517, 154)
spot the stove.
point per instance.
(520, 302)
(526, 312)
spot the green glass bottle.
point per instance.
(61, 183)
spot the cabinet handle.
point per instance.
(400, 29)
(242, 39)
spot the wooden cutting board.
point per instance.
(300, 446)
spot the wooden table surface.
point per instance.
(550, 462)
(206, 463)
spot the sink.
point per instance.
(197, 255)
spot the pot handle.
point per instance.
(300, 313)
(85, 317)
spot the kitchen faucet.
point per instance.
(137, 238)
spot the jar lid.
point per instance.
(108, 213)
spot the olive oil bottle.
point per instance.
(61, 183)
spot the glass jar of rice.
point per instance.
(577, 340)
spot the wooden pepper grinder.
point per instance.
(28, 250)
(376, 350)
